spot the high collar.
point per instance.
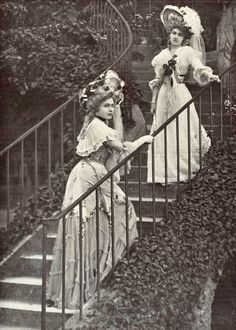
(102, 119)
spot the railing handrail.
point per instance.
(57, 110)
(36, 126)
(129, 33)
(114, 169)
(123, 162)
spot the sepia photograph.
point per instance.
(118, 165)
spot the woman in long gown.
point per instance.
(169, 94)
(100, 148)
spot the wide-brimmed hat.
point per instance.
(173, 16)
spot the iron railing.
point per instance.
(95, 189)
(30, 160)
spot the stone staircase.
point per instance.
(21, 275)
(21, 286)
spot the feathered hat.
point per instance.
(173, 16)
(189, 18)
(97, 89)
(109, 75)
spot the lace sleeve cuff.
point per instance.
(202, 75)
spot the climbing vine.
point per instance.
(159, 288)
(55, 58)
(48, 52)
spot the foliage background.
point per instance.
(160, 286)
(48, 53)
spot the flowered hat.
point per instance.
(96, 89)
(109, 75)
(189, 18)
(171, 16)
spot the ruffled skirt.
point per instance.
(85, 174)
(170, 100)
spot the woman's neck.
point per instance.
(173, 49)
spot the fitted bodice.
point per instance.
(188, 63)
(101, 155)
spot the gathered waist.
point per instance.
(96, 159)
(174, 80)
(169, 88)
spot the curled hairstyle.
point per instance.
(93, 95)
(186, 31)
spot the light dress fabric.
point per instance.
(170, 99)
(100, 153)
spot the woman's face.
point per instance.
(106, 109)
(176, 37)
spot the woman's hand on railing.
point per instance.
(147, 139)
(138, 143)
(153, 107)
(215, 77)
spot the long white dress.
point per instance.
(171, 97)
(98, 158)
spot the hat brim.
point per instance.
(171, 16)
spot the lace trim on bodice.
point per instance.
(96, 134)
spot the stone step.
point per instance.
(133, 189)
(30, 264)
(143, 157)
(49, 243)
(134, 177)
(147, 206)
(134, 174)
(147, 225)
(23, 288)
(16, 313)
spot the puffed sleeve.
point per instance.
(157, 65)
(119, 151)
(121, 148)
(201, 73)
(97, 133)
